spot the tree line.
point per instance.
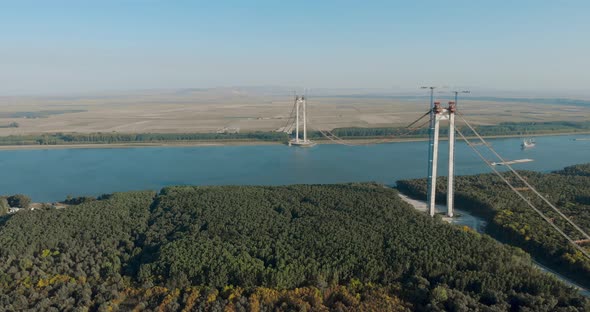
(507, 128)
(112, 138)
(504, 128)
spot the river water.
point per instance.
(52, 174)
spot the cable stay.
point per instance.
(290, 121)
(332, 137)
(526, 183)
(328, 134)
(529, 187)
(515, 190)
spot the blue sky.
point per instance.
(85, 46)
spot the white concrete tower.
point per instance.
(301, 108)
(439, 113)
(436, 115)
(451, 176)
(430, 146)
(304, 104)
(297, 119)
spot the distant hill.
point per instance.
(581, 98)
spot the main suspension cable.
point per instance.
(331, 136)
(524, 180)
(539, 212)
(290, 120)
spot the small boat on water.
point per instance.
(528, 143)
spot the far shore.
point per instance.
(360, 141)
(139, 144)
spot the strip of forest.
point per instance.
(124, 138)
(512, 221)
(348, 247)
(502, 129)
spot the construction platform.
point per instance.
(301, 143)
(511, 162)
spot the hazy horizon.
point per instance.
(287, 91)
(69, 47)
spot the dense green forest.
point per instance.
(511, 220)
(354, 247)
(521, 128)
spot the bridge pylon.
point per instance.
(438, 114)
(300, 115)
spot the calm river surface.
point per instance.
(51, 175)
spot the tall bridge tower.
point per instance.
(437, 114)
(300, 115)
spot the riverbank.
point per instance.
(444, 138)
(360, 141)
(133, 145)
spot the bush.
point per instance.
(19, 200)
(78, 200)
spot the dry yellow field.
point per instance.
(210, 110)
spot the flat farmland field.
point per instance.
(209, 110)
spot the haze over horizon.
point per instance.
(70, 47)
